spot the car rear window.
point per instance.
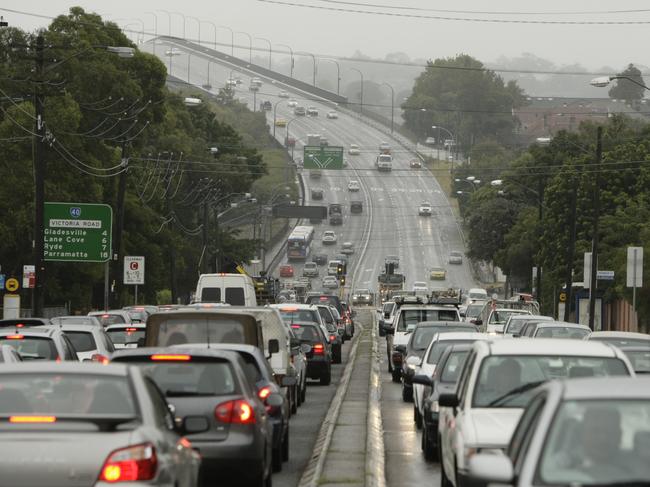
(107, 319)
(200, 378)
(411, 317)
(33, 348)
(299, 315)
(82, 341)
(211, 295)
(439, 348)
(180, 330)
(65, 395)
(453, 366)
(333, 301)
(306, 333)
(235, 296)
(125, 336)
(74, 320)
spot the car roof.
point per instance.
(635, 348)
(617, 388)
(549, 346)
(428, 324)
(78, 327)
(116, 326)
(524, 316)
(293, 306)
(562, 324)
(619, 334)
(9, 322)
(34, 331)
(65, 367)
(463, 335)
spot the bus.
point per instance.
(299, 243)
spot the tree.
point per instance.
(463, 96)
(625, 89)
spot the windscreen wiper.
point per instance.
(517, 390)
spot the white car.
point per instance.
(330, 282)
(292, 103)
(329, 237)
(498, 317)
(347, 248)
(91, 342)
(420, 286)
(310, 269)
(312, 111)
(354, 185)
(495, 385)
(332, 114)
(283, 94)
(127, 336)
(354, 150)
(430, 141)
(112, 316)
(425, 209)
(431, 357)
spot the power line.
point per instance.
(459, 19)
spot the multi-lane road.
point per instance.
(389, 223)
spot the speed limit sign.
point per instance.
(133, 270)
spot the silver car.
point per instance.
(90, 425)
(89, 341)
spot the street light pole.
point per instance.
(184, 20)
(338, 74)
(291, 54)
(314, 71)
(198, 22)
(392, 106)
(275, 106)
(169, 20)
(360, 74)
(594, 239)
(39, 183)
(270, 48)
(155, 29)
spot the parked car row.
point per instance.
(201, 393)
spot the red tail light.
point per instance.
(99, 358)
(318, 349)
(32, 419)
(264, 392)
(332, 338)
(235, 412)
(15, 337)
(131, 329)
(295, 326)
(172, 357)
(20, 325)
(135, 463)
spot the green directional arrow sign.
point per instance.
(325, 157)
(77, 232)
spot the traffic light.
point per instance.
(340, 269)
(342, 280)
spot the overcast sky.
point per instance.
(342, 33)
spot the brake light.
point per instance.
(99, 358)
(106, 316)
(318, 349)
(134, 463)
(20, 325)
(170, 357)
(295, 326)
(32, 419)
(131, 329)
(264, 392)
(235, 412)
(15, 337)
(289, 310)
(332, 338)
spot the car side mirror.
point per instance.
(305, 348)
(423, 380)
(288, 381)
(274, 346)
(194, 424)
(274, 400)
(448, 400)
(491, 469)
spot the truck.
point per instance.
(267, 289)
(384, 162)
(313, 139)
(389, 281)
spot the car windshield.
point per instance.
(64, 395)
(504, 381)
(473, 310)
(453, 366)
(438, 348)
(306, 333)
(598, 442)
(177, 331)
(308, 315)
(33, 348)
(125, 336)
(411, 317)
(177, 379)
(562, 332)
(500, 316)
(422, 337)
(640, 360)
(106, 319)
(516, 325)
(73, 320)
(82, 341)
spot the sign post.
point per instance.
(634, 271)
(134, 272)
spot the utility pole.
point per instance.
(118, 257)
(540, 215)
(38, 302)
(594, 238)
(206, 214)
(570, 254)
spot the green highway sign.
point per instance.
(323, 157)
(77, 232)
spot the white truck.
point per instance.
(384, 162)
(233, 289)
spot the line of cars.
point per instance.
(198, 394)
(522, 405)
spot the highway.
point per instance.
(389, 224)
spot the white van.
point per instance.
(233, 289)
